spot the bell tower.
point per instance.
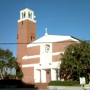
(26, 32)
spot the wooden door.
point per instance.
(48, 76)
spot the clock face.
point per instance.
(47, 48)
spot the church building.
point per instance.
(39, 58)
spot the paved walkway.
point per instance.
(24, 89)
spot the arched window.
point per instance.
(30, 15)
(24, 14)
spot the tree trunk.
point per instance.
(1, 76)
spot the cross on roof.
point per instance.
(46, 31)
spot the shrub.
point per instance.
(63, 83)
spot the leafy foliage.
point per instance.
(63, 83)
(19, 72)
(76, 61)
(7, 63)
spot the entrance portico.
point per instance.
(45, 75)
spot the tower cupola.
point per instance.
(27, 14)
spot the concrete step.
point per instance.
(41, 85)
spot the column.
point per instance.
(21, 16)
(32, 16)
(43, 76)
(37, 76)
(27, 13)
(53, 74)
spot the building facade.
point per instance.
(39, 58)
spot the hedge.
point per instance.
(64, 83)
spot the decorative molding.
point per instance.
(38, 56)
(53, 65)
(26, 19)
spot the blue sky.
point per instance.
(60, 17)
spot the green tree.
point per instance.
(75, 62)
(19, 72)
(7, 63)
